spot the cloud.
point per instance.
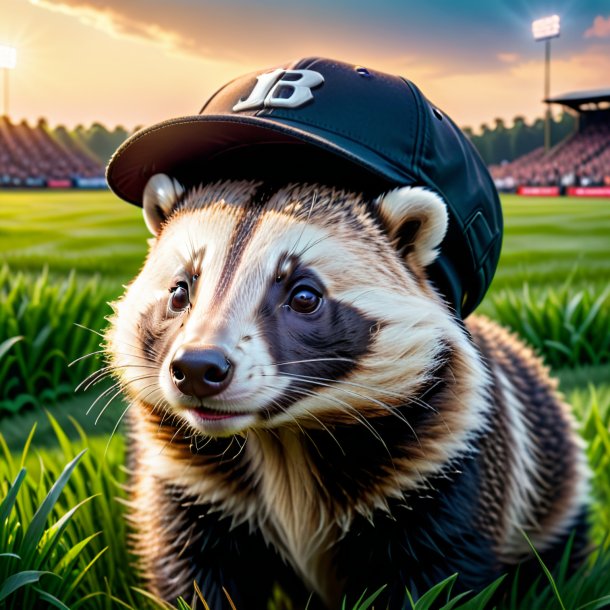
(136, 21)
(508, 58)
(236, 31)
(600, 28)
(258, 34)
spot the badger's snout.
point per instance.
(201, 372)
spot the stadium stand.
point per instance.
(581, 160)
(32, 157)
(58, 158)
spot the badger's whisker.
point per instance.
(305, 225)
(313, 243)
(164, 417)
(118, 422)
(89, 355)
(183, 426)
(353, 413)
(275, 403)
(357, 385)
(104, 393)
(138, 345)
(91, 330)
(103, 409)
(116, 427)
(117, 393)
(103, 351)
(306, 360)
(304, 392)
(391, 409)
(110, 389)
(93, 378)
(106, 371)
(207, 440)
(380, 403)
(224, 453)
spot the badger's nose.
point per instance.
(201, 372)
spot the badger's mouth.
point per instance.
(208, 414)
(215, 422)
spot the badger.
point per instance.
(307, 411)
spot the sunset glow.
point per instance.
(8, 57)
(136, 63)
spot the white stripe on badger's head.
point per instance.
(416, 220)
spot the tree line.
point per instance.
(495, 143)
(96, 140)
(502, 143)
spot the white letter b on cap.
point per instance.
(268, 86)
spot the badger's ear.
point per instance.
(160, 195)
(416, 221)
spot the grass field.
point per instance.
(92, 232)
(548, 243)
(545, 239)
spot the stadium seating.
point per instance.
(581, 160)
(32, 157)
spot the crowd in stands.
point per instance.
(31, 156)
(581, 160)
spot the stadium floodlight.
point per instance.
(8, 61)
(546, 29)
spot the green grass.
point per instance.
(39, 338)
(567, 327)
(92, 232)
(75, 409)
(545, 239)
(67, 523)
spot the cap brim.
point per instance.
(188, 141)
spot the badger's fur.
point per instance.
(378, 440)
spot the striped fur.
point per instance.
(379, 416)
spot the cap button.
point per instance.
(363, 72)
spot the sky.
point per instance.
(137, 62)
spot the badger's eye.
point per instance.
(179, 297)
(304, 300)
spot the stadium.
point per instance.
(69, 247)
(37, 157)
(579, 164)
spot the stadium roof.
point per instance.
(576, 99)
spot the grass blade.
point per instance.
(21, 579)
(37, 525)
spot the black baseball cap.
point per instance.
(321, 117)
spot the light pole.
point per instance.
(8, 60)
(546, 29)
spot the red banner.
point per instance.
(59, 184)
(538, 191)
(589, 191)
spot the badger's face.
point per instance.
(259, 308)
